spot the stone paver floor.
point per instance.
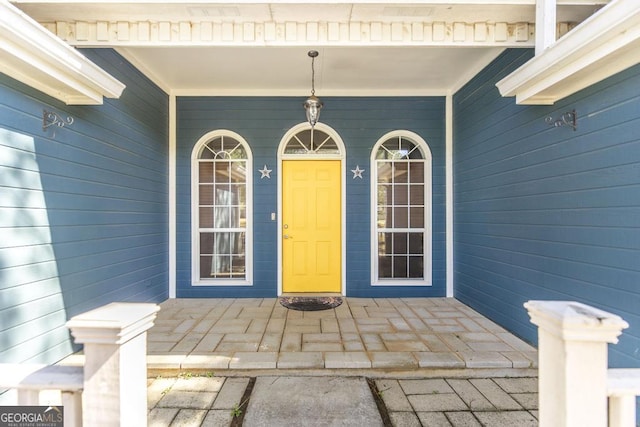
(428, 361)
(362, 333)
(210, 400)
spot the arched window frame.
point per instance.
(426, 280)
(195, 213)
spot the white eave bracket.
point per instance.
(605, 44)
(36, 57)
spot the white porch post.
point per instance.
(572, 360)
(115, 371)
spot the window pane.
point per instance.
(236, 194)
(416, 217)
(416, 267)
(221, 172)
(400, 266)
(205, 267)
(328, 147)
(238, 266)
(206, 194)
(384, 172)
(205, 173)
(417, 194)
(222, 217)
(237, 152)
(400, 172)
(400, 243)
(401, 194)
(223, 195)
(238, 172)
(416, 154)
(214, 146)
(221, 266)
(384, 244)
(400, 217)
(415, 244)
(384, 267)
(384, 217)
(206, 217)
(416, 171)
(206, 243)
(384, 194)
(239, 243)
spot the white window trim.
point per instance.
(195, 232)
(428, 207)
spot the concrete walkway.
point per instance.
(342, 401)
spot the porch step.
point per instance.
(288, 401)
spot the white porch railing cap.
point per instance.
(576, 321)
(114, 323)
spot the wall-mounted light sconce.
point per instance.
(570, 118)
(50, 118)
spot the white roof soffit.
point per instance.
(36, 57)
(604, 44)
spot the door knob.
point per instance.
(286, 236)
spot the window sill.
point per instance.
(222, 283)
(398, 283)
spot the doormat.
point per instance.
(310, 303)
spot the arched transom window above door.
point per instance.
(221, 210)
(311, 141)
(401, 210)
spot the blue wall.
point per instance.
(262, 122)
(544, 212)
(83, 212)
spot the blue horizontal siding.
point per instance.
(263, 121)
(544, 212)
(83, 218)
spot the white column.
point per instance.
(572, 361)
(172, 195)
(449, 191)
(545, 24)
(115, 371)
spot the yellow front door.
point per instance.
(311, 226)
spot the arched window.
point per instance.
(401, 209)
(221, 210)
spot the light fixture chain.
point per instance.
(313, 76)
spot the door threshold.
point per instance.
(311, 294)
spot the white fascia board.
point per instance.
(603, 45)
(399, 2)
(36, 57)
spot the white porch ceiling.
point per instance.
(251, 47)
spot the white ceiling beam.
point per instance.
(390, 2)
(38, 58)
(545, 24)
(603, 45)
(171, 34)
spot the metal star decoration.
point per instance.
(357, 172)
(264, 172)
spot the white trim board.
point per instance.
(605, 44)
(37, 58)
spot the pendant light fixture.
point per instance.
(313, 105)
